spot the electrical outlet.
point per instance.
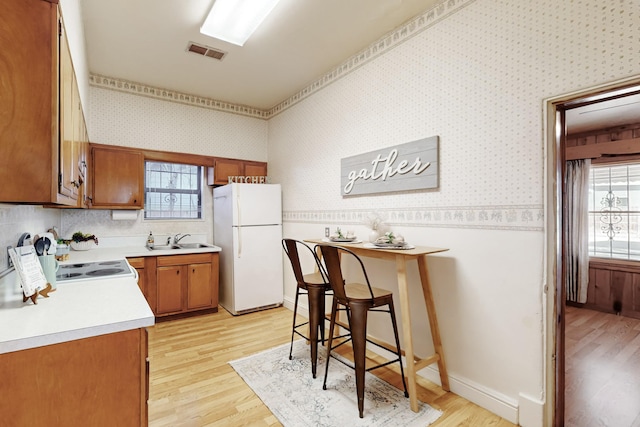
(9, 261)
(326, 232)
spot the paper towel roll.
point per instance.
(124, 215)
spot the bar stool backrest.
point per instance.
(290, 247)
(332, 256)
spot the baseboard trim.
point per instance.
(303, 310)
(489, 399)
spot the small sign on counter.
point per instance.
(29, 269)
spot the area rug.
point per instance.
(297, 399)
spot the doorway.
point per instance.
(556, 139)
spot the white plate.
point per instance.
(396, 248)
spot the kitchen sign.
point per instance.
(410, 166)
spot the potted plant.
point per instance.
(83, 242)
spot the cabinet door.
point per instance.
(29, 102)
(94, 381)
(138, 264)
(84, 196)
(224, 168)
(255, 169)
(117, 178)
(68, 184)
(199, 286)
(169, 289)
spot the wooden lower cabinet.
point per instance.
(185, 283)
(170, 286)
(614, 287)
(199, 290)
(139, 264)
(96, 381)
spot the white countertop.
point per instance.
(110, 253)
(75, 310)
(78, 309)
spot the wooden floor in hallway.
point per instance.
(602, 373)
(192, 384)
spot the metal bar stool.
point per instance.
(359, 299)
(315, 285)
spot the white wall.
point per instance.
(476, 74)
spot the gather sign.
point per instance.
(409, 166)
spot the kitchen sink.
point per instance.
(194, 245)
(163, 247)
(180, 246)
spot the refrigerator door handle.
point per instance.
(239, 223)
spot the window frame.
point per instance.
(198, 191)
(629, 257)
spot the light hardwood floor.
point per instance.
(191, 383)
(602, 375)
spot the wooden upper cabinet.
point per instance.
(255, 169)
(29, 103)
(69, 99)
(224, 169)
(117, 178)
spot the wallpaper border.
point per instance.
(392, 39)
(508, 217)
(387, 42)
(140, 89)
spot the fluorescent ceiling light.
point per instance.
(235, 20)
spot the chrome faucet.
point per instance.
(176, 239)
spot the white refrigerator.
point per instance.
(247, 225)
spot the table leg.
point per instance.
(403, 290)
(433, 321)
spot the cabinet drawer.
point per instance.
(184, 259)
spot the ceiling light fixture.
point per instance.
(235, 20)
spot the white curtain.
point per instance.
(576, 232)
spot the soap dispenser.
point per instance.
(150, 240)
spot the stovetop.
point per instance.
(94, 270)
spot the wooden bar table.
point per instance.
(401, 256)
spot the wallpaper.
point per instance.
(477, 79)
(125, 119)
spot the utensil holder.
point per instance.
(49, 267)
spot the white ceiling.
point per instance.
(609, 113)
(145, 41)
